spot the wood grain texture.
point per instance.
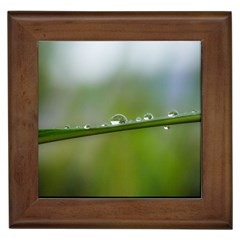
(213, 210)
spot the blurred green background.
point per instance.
(87, 83)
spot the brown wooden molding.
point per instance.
(213, 210)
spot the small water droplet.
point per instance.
(194, 111)
(173, 113)
(166, 127)
(67, 127)
(138, 119)
(103, 125)
(87, 126)
(148, 116)
(118, 119)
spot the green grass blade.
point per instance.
(51, 135)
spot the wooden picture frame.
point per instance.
(213, 210)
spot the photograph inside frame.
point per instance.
(96, 84)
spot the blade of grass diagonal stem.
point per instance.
(51, 135)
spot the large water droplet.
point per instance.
(67, 127)
(87, 126)
(138, 119)
(166, 127)
(148, 116)
(173, 113)
(118, 119)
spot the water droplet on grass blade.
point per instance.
(194, 111)
(87, 126)
(173, 113)
(138, 119)
(118, 119)
(67, 127)
(148, 116)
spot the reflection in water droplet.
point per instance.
(87, 126)
(67, 127)
(166, 127)
(118, 119)
(138, 119)
(148, 116)
(173, 113)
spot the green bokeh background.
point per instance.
(87, 83)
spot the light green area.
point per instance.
(138, 163)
